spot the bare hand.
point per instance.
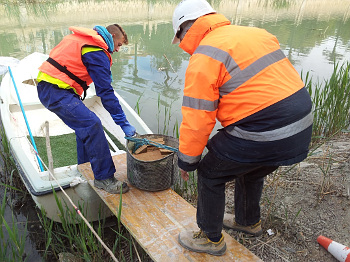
(184, 174)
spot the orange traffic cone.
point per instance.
(339, 251)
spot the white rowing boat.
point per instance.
(40, 183)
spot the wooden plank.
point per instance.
(155, 220)
(164, 151)
(158, 140)
(141, 149)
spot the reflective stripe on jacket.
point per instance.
(68, 53)
(233, 73)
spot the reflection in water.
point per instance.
(312, 33)
(150, 71)
(27, 225)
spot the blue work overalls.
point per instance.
(92, 145)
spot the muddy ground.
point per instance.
(298, 205)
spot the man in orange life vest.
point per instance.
(78, 60)
(240, 76)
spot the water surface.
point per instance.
(312, 33)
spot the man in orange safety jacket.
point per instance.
(239, 76)
(78, 60)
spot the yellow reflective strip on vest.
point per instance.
(52, 80)
(47, 78)
(88, 49)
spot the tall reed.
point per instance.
(74, 236)
(12, 240)
(187, 189)
(331, 103)
(8, 164)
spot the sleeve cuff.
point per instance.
(186, 166)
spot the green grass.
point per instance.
(63, 148)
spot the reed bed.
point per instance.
(12, 237)
(8, 165)
(331, 105)
(72, 236)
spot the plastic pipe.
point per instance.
(25, 119)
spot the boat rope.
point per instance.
(76, 208)
(41, 162)
(144, 141)
(69, 199)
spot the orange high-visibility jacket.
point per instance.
(234, 72)
(68, 53)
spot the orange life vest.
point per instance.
(234, 72)
(68, 54)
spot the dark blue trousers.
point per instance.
(213, 173)
(92, 145)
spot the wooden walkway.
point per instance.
(155, 219)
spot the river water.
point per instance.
(149, 72)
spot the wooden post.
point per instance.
(48, 149)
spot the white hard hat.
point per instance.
(189, 10)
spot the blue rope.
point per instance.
(144, 141)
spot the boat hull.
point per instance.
(40, 184)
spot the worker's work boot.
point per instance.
(199, 242)
(112, 185)
(254, 230)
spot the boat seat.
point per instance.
(27, 92)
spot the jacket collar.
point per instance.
(89, 32)
(201, 27)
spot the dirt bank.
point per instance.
(300, 204)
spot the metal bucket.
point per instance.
(154, 175)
